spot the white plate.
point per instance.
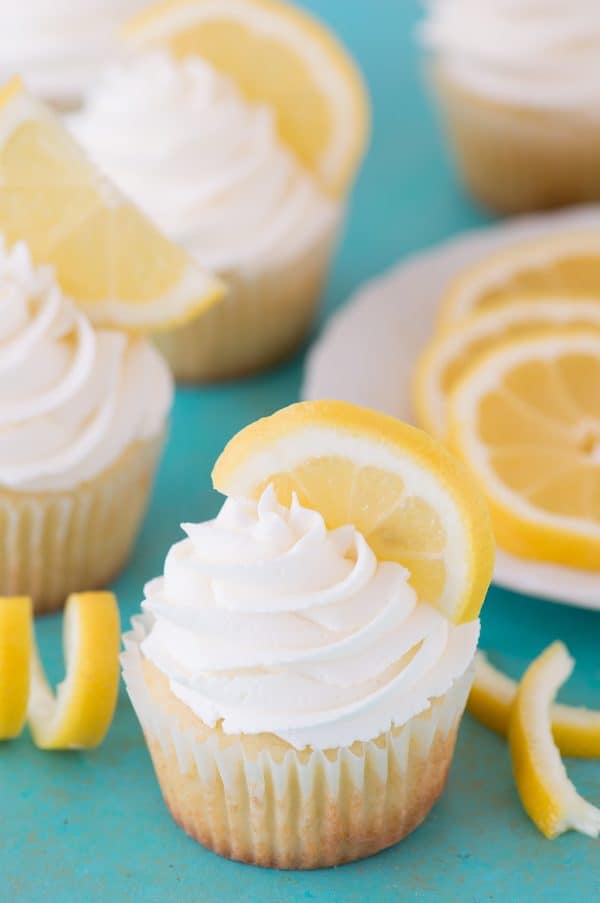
(368, 350)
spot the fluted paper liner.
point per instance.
(259, 800)
(55, 543)
(262, 319)
(516, 160)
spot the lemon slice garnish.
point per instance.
(80, 713)
(526, 419)
(15, 657)
(567, 265)
(576, 730)
(412, 501)
(547, 794)
(277, 55)
(107, 256)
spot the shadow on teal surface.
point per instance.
(92, 828)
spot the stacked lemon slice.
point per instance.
(512, 382)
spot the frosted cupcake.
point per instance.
(58, 46)
(519, 86)
(209, 169)
(299, 699)
(82, 420)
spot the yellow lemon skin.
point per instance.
(80, 714)
(576, 730)
(15, 660)
(547, 794)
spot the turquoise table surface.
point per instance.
(90, 828)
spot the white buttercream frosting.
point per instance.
(539, 53)
(72, 398)
(59, 46)
(202, 162)
(265, 620)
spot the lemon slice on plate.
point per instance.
(450, 353)
(280, 56)
(107, 256)
(413, 502)
(576, 730)
(526, 418)
(547, 794)
(80, 713)
(566, 265)
(15, 658)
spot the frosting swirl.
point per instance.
(58, 46)
(202, 162)
(72, 398)
(265, 620)
(526, 52)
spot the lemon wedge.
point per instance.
(548, 795)
(412, 501)
(15, 657)
(107, 256)
(576, 730)
(280, 56)
(451, 352)
(526, 419)
(80, 713)
(566, 264)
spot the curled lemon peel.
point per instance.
(548, 796)
(15, 659)
(576, 730)
(79, 713)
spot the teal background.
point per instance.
(89, 828)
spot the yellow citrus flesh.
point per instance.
(576, 730)
(15, 658)
(566, 265)
(451, 352)
(80, 713)
(280, 56)
(549, 797)
(413, 502)
(107, 256)
(526, 418)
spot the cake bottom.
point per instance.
(515, 160)
(56, 543)
(256, 799)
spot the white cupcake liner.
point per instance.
(515, 160)
(279, 807)
(55, 543)
(262, 319)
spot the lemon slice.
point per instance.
(576, 730)
(15, 657)
(412, 501)
(566, 265)
(280, 56)
(526, 418)
(107, 256)
(80, 713)
(450, 353)
(547, 794)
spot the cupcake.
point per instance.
(209, 165)
(299, 696)
(82, 420)
(58, 47)
(518, 88)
